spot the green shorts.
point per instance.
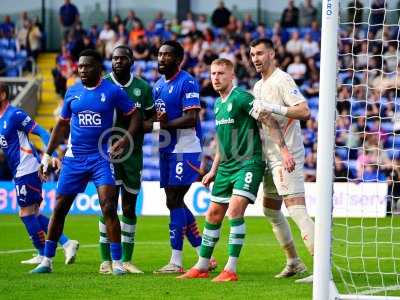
(242, 182)
(129, 172)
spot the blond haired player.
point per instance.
(277, 93)
(237, 169)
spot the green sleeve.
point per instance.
(147, 98)
(246, 101)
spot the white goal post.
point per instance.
(355, 259)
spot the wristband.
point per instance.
(156, 126)
(278, 109)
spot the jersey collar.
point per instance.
(121, 85)
(173, 77)
(226, 98)
(93, 87)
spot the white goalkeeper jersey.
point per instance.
(281, 89)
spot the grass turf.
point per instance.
(260, 260)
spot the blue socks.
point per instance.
(176, 227)
(50, 249)
(35, 231)
(116, 251)
(44, 222)
(192, 231)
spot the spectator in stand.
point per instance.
(93, 34)
(390, 57)
(131, 19)
(220, 16)
(65, 67)
(22, 35)
(122, 33)
(23, 17)
(355, 12)
(295, 44)
(69, 15)
(260, 33)
(309, 47)
(34, 40)
(232, 26)
(248, 24)
(342, 174)
(136, 32)
(141, 49)
(310, 165)
(361, 59)
(187, 24)
(308, 13)
(87, 43)
(377, 15)
(7, 27)
(78, 31)
(315, 31)
(201, 23)
(290, 16)
(116, 22)
(311, 87)
(297, 69)
(107, 35)
(159, 23)
(394, 188)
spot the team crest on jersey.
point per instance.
(171, 89)
(89, 118)
(137, 92)
(229, 108)
(160, 105)
(3, 141)
(295, 92)
(103, 97)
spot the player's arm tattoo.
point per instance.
(58, 134)
(275, 131)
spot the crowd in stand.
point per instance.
(368, 110)
(19, 41)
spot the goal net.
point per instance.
(365, 211)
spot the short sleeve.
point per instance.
(66, 111)
(191, 95)
(246, 102)
(25, 122)
(123, 102)
(291, 94)
(148, 103)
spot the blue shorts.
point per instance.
(28, 189)
(77, 171)
(179, 168)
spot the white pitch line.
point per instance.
(138, 243)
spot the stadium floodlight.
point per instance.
(358, 258)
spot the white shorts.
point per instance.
(278, 182)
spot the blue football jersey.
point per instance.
(174, 96)
(91, 114)
(15, 125)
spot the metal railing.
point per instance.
(24, 92)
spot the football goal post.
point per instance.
(357, 242)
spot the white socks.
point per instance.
(305, 223)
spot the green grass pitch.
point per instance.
(260, 260)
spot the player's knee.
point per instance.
(273, 215)
(173, 202)
(214, 216)
(109, 209)
(129, 210)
